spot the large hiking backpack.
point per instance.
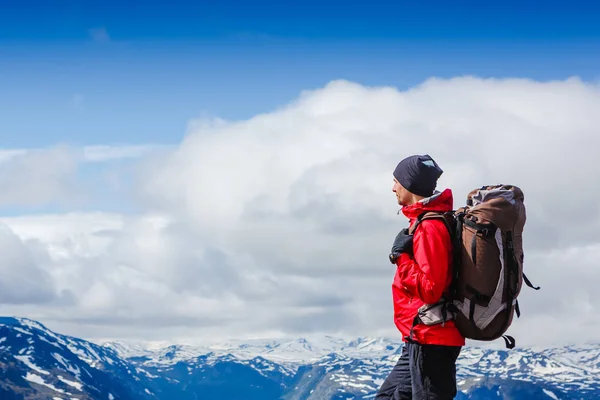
(487, 264)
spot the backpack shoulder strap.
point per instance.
(444, 216)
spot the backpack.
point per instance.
(487, 264)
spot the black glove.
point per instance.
(402, 244)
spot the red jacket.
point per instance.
(426, 276)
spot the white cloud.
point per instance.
(284, 222)
(101, 153)
(37, 177)
(53, 176)
(22, 277)
(87, 154)
(306, 191)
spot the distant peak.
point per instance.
(9, 321)
(32, 324)
(21, 322)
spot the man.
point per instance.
(427, 366)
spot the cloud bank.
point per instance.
(66, 177)
(281, 224)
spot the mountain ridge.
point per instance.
(38, 363)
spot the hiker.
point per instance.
(427, 365)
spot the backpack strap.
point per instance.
(528, 282)
(446, 306)
(431, 215)
(455, 231)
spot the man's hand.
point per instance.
(402, 244)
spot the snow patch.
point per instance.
(76, 385)
(40, 381)
(16, 328)
(49, 342)
(27, 361)
(74, 370)
(550, 394)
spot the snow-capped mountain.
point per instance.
(36, 363)
(359, 366)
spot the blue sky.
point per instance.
(135, 72)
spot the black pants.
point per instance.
(423, 372)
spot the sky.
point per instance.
(181, 170)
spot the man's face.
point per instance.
(402, 195)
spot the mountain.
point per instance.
(36, 363)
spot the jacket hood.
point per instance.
(439, 201)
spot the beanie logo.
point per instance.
(429, 163)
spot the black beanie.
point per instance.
(418, 174)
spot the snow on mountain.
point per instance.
(36, 363)
(363, 363)
(555, 366)
(295, 351)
